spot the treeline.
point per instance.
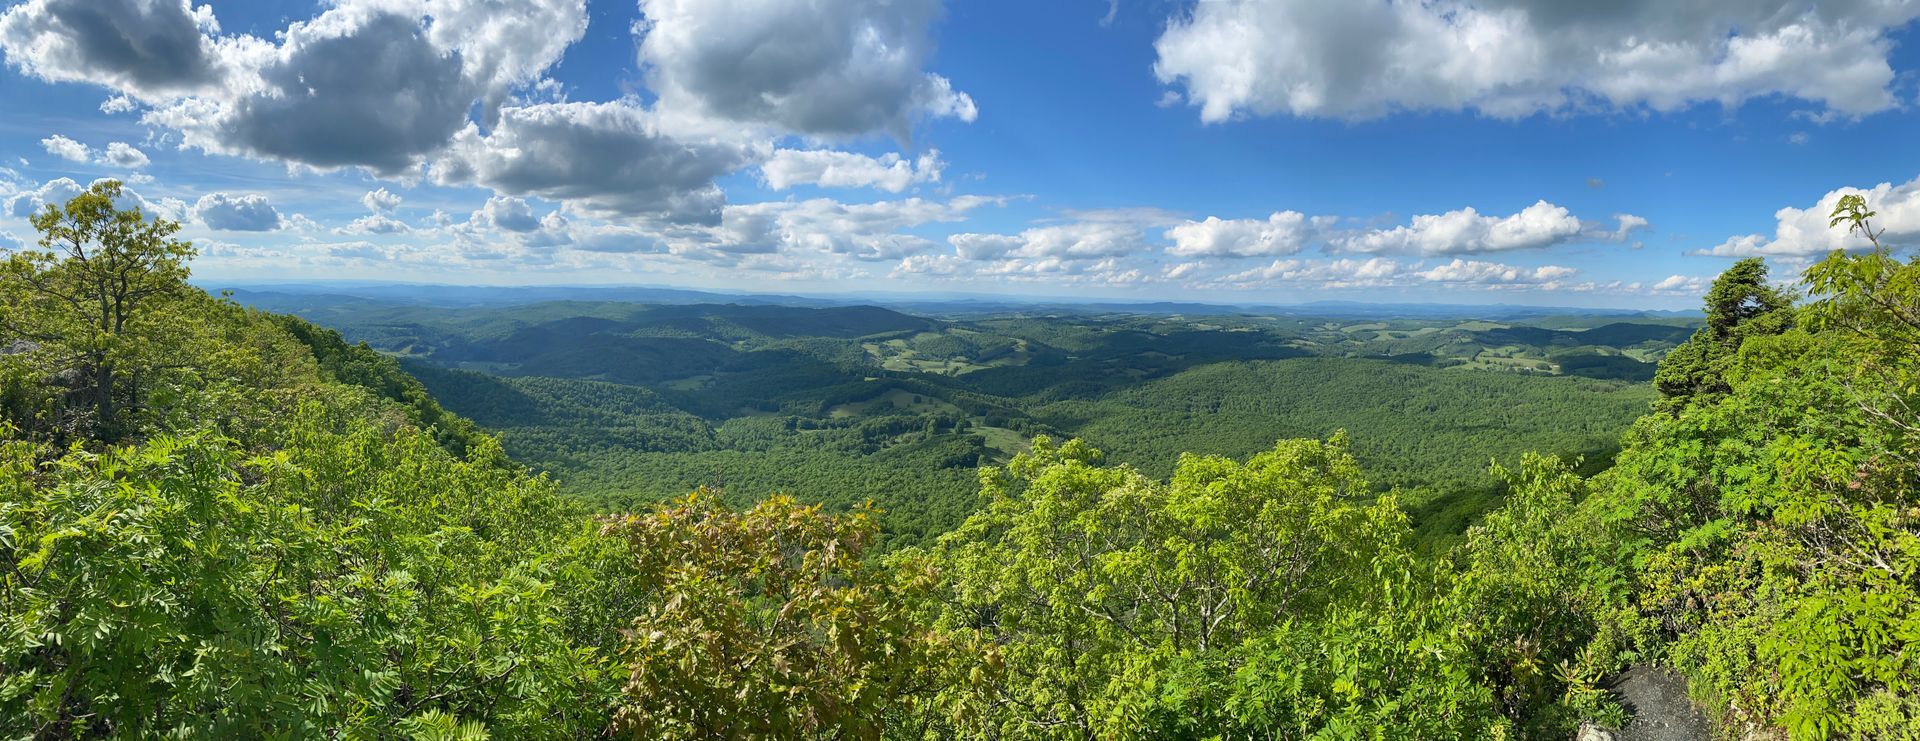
(214, 523)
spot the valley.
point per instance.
(627, 403)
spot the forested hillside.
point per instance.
(221, 523)
(627, 404)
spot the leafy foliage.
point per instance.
(90, 310)
(765, 623)
(1273, 598)
(1772, 526)
(247, 527)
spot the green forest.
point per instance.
(630, 404)
(228, 516)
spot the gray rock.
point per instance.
(1657, 698)
(1591, 732)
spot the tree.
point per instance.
(764, 624)
(1271, 598)
(1771, 528)
(1740, 295)
(86, 308)
(1740, 304)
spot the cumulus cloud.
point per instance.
(830, 169)
(1097, 247)
(1466, 231)
(511, 214)
(554, 231)
(1685, 285)
(380, 201)
(1475, 271)
(1628, 224)
(56, 191)
(125, 155)
(1382, 272)
(1084, 240)
(862, 232)
(65, 148)
(25, 203)
(395, 86)
(119, 154)
(829, 67)
(1283, 233)
(1513, 58)
(1341, 273)
(146, 47)
(375, 224)
(608, 158)
(359, 251)
(347, 88)
(1110, 271)
(1803, 232)
(971, 246)
(379, 84)
(242, 213)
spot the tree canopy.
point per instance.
(265, 531)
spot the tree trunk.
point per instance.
(103, 399)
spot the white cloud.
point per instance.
(360, 251)
(379, 84)
(1514, 58)
(1686, 285)
(606, 158)
(1094, 249)
(118, 104)
(511, 214)
(146, 47)
(65, 148)
(125, 155)
(1110, 271)
(831, 169)
(1283, 233)
(25, 203)
(56, 191)
(380, 201)
(1628, 224)
(1466, 231)
(352, 87)
(554, 231)
(1803, 232)
(374, 224)
(827, 67)
(119, 154)
(1475, 271)
(1384, 272)
(862, 231)
(750, 235)
(1083, 240)
(970, 246)
(1341, 273)
(243, 213)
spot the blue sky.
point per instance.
(1510, 151)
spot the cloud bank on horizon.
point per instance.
(1270, 150)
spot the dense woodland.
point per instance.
(221, 522)
(629, 404)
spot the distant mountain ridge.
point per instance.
(298, 296)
